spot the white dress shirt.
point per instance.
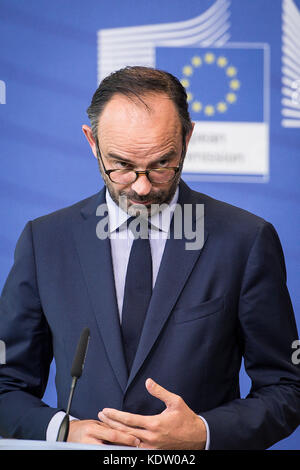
(121, 239)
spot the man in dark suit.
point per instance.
(167, 334)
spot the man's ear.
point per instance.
(90, 138)
(189, 135)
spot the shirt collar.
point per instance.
(118, 216)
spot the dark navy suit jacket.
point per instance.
(209, 308)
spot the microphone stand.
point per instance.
(64, 426)
(76, 372)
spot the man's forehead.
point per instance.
(128, 126)
(142, 108)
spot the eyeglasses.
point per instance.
(154, 175)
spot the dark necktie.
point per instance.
(137, 294)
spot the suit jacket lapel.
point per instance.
(96, 262)
(176, 266)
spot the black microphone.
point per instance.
(76, 371)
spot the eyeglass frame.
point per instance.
(142, 172)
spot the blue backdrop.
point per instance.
(52, 55)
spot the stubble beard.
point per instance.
(122, 198)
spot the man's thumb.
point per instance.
(161, 393)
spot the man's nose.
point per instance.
(142, 186)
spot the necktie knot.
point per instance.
(138, 226)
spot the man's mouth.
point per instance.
(145, 203)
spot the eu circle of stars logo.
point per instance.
(226, 95)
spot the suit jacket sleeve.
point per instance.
(27, 337)
(267, 329)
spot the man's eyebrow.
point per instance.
(113, 156)
(166, 156)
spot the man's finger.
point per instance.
(127, 419)
(92, 431)
(118, 437)
(114, 424)
(141, 434)
(169, 398)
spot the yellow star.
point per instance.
(185, 82)
(222, 61)
(189, 96)
(222, 107)
(231, 71)
(197, 106)
(187, 70)
(234, 84)
(209, 110)
(196, 61)
(231, 97)
(209, 58)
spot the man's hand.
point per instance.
(177, 427)
(90, 431)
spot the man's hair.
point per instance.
(137, 81)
